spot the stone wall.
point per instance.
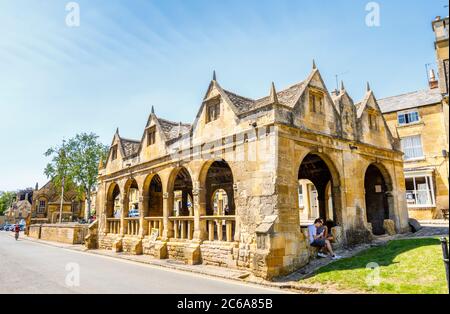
(219, 253)
(64, 233)
(35, 231)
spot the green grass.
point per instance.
(412, 266)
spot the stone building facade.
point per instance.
(224, 190)
(21, 207)
(47, 201)
(420, 119)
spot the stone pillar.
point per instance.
(143, 224)
(109, 206)
(167, 212)
(199, 200)
(123, 222)
(321, 198)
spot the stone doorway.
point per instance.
(377, 205)
(314, 169)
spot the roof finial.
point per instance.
(368, 87)
(153, 110)
(273, 94)
(117, 130)
(100, 164)
(214, 76)
(314, 64)
(342, 85)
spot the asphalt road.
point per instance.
(30, 267)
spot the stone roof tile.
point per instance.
(410, 100)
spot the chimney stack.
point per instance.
(432, 81)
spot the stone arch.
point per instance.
(217, 174)
(112, 199)
(379, 202)
(181, 186)
(322, 172)
(152, 193)
(130, 196)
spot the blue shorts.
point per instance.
(318, 243)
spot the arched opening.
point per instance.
(308, 201)
(322, 193)
(153, 197)
(113, 208)
(182, 194)
(219, 202)
(219, 177)
(132, 205)
(376, 195)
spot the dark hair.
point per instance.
(318, 220)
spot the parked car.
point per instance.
(7, 227)
(133, 213)
(2, 226)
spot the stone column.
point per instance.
(143, 224)
(199, 210)
(124, 214)
(109, 207)
(167, 212)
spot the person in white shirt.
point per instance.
(319, 240)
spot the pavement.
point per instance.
(33, 267)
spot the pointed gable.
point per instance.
(372, 127)
(347, 111)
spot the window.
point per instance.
(412, 147)
(300, 196)
(408, 117)
(419, 191)
(151, 136)
(373, 121)
(75, 207)
(41, 208)
(316, 102)
(212, 111)
(114, 152)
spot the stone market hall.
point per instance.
(225, 189)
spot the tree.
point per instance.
(6, 200)
(84, 152)
(58, 170)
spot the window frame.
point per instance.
(402, 141)
(42, 206)
(114, 152)
(316, 101)
(213, 105)
(151, 136)
(407, 117)
(431, 202)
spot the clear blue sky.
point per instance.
(56, 81)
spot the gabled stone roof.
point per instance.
(410, 100)
(173, 129)
(130, 147)
(286, 97)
